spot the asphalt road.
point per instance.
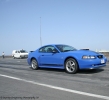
(19, 82)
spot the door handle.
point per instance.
(42, 55)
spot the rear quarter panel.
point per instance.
(31, 55)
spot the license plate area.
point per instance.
(102, 61)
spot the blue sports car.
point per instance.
(65, 57)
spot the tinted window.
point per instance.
(42, 49)
(47, 49)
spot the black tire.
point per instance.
(71, 66)
(20, 57)
(34, 64)
(13, 57)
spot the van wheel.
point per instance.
(13, 57)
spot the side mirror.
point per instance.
(54, 51)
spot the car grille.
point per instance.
(100, 56)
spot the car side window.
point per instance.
(42, 50)
(47, 49)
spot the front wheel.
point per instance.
(71, 66)
(34, 64)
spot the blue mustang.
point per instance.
(65, 57)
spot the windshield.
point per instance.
(23, 51)
(65, 48)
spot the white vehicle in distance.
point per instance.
(19, 54)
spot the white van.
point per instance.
(19, 54)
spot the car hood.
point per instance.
(85, 52)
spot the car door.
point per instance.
(17, 54)
(50, 57)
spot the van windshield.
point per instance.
(23, 51)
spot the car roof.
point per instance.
(53, 44)
(48, 45)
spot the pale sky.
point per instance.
(79, 23)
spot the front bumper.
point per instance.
(24, 56)
(92, 63)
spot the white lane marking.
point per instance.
(58, 88)
(18, 61)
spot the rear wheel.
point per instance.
(20, 57)
(71, 66)
(34, 64)
(13, 57)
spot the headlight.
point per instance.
(88, 57)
